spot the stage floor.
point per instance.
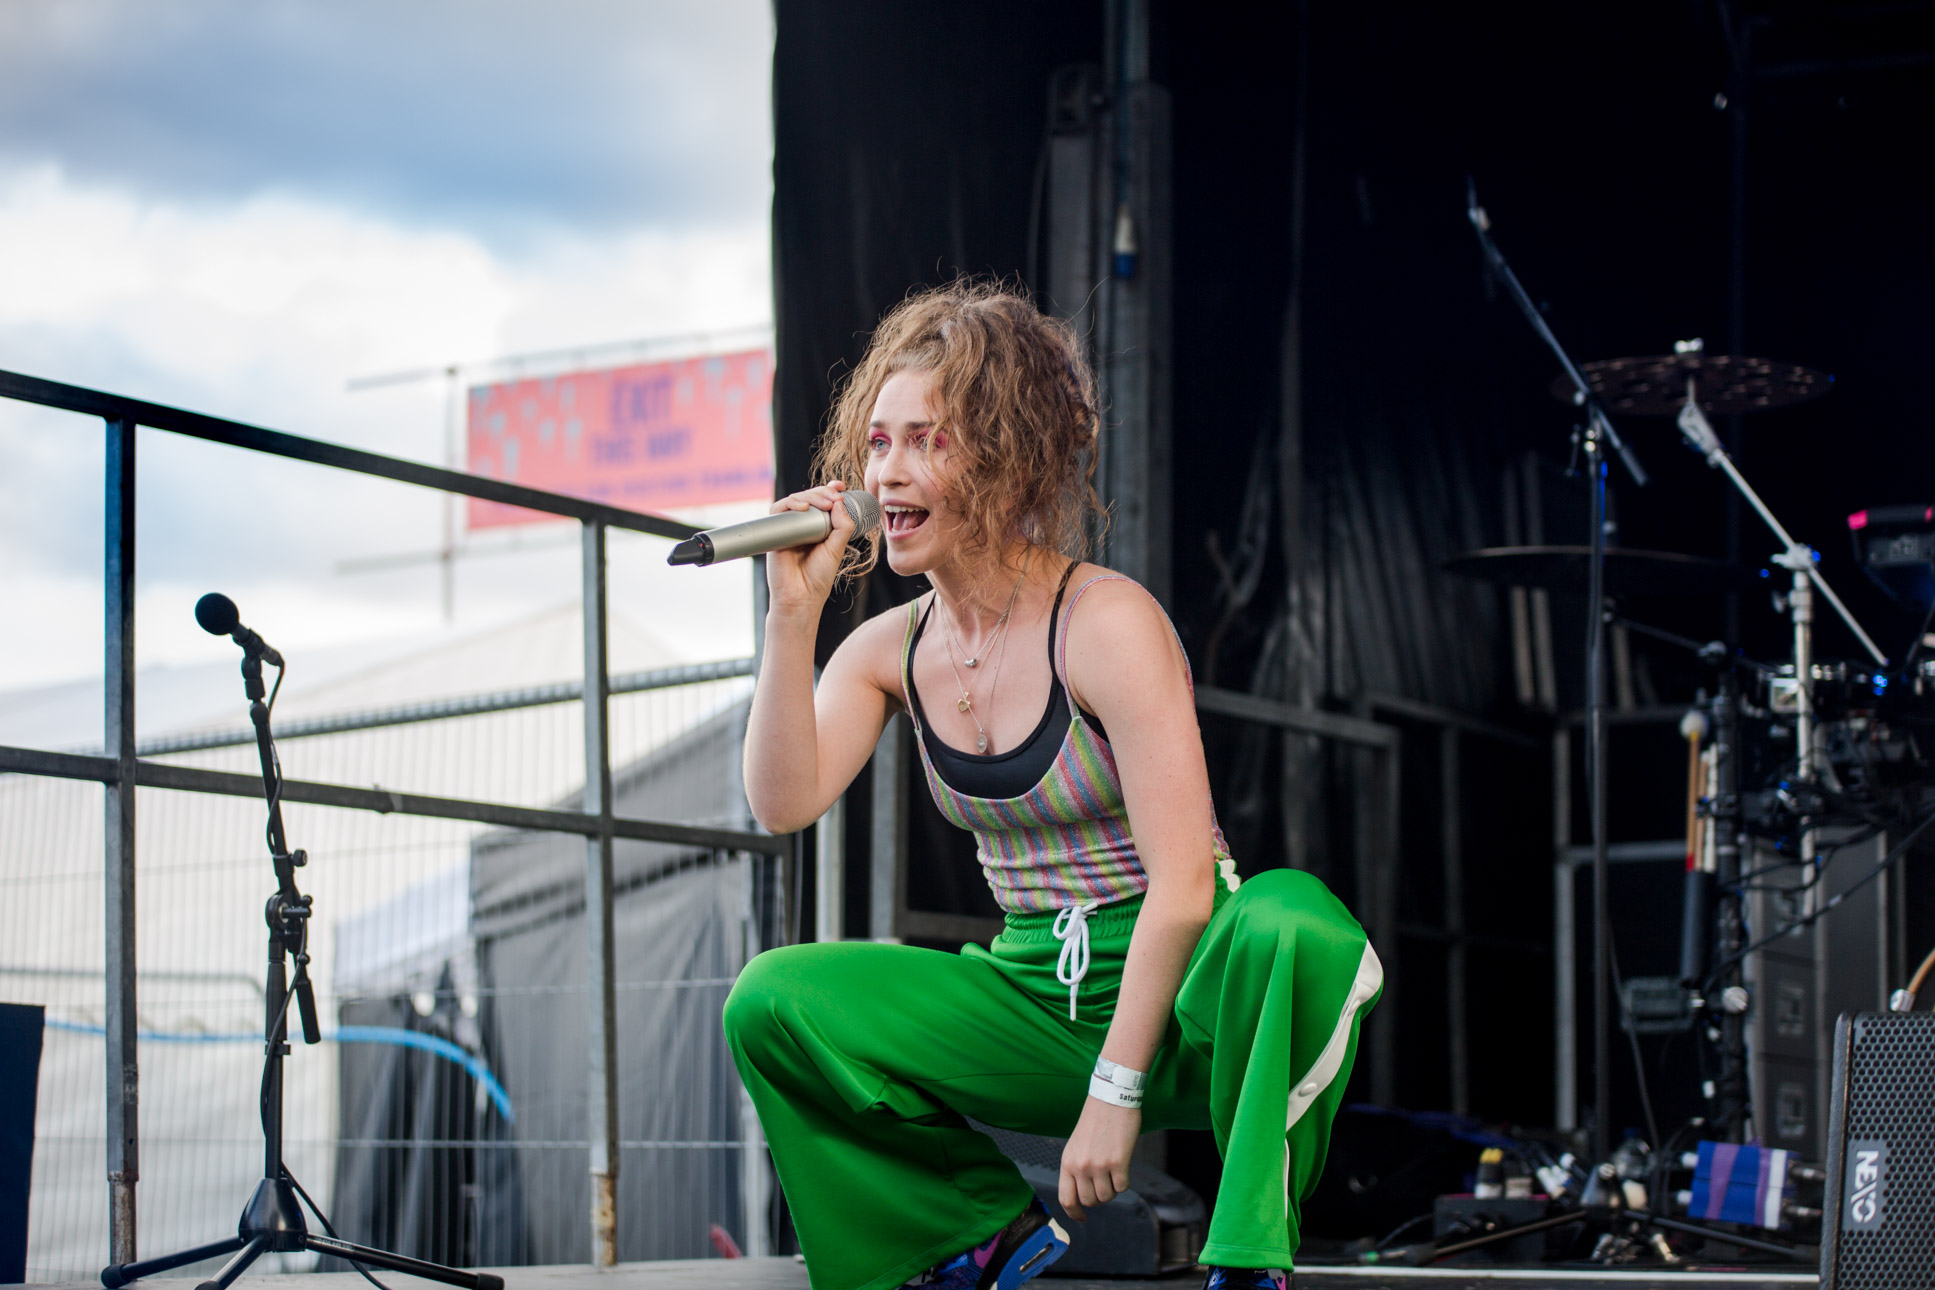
(790, 1274)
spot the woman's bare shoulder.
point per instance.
(1117, 616)
(873, 648)
(1109, 595)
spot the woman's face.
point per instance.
(907, 466)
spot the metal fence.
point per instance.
(431, 1025)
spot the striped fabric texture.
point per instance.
(1066, 841)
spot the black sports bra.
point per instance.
(1000, 776)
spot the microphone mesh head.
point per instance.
(217, 614)
(865, 510)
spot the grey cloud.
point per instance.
(507, 117)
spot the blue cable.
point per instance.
(475, 1066)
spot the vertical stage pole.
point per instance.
(123, 1084)
(755, 1174)
(601, 1000)
(1134, 354)
(888, 877)
(1452, 843)
(1565, 946)
(452, 399)
(830, 872)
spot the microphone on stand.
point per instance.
(1473, 211)
(772, 532)
(219, 617)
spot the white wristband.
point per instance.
(1103, 1091)
(1116, 1084)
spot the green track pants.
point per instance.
(863, 1059)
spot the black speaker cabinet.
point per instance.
(1878, 1219)
(20, 1040)
(1848, 962)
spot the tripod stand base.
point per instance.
(273, 1221)
(401, 1263)
(116, 1275)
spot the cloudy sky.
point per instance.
(238, 207)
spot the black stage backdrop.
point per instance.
(1600, 137)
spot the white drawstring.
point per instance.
(1071, 929)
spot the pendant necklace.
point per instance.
(1000, 628)
(966, 702)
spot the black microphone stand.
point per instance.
(272, 1219)
(1596, 437)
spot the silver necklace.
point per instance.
(966, 702)
(1000, 628)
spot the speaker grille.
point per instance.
(1891, 1100)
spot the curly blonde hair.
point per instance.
(1018, 405)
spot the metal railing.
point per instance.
(1375, 729)
(121, 768)
(1450, 731)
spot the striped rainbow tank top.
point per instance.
(1065, 842)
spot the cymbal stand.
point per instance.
(1597, 437)
(1800, 560)
(272, 1220)
(1798, 557)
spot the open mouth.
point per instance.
(903, 520)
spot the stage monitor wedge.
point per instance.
(1878, 1220)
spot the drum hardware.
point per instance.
(1712, 653)
(1801, 562)
(1799, 559)
(1720, 384)
(1839, 689)
(1689, 385)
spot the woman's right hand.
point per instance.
(799, 579)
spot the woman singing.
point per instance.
(1137, 984)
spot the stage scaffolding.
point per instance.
(131, 1006)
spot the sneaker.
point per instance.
(1016, 1253)
(1247, 1279)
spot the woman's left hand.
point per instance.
(1095, 1163)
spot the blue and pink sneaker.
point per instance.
(1016, 1253)
(1247, 1279)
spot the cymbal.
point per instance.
(1628, 572)
(1724, 384)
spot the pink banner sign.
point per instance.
(652, 437)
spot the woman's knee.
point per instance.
(759, 996)
(787, 981)
(1291, 902)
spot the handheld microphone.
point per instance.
(219, 617)
(775, 532)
